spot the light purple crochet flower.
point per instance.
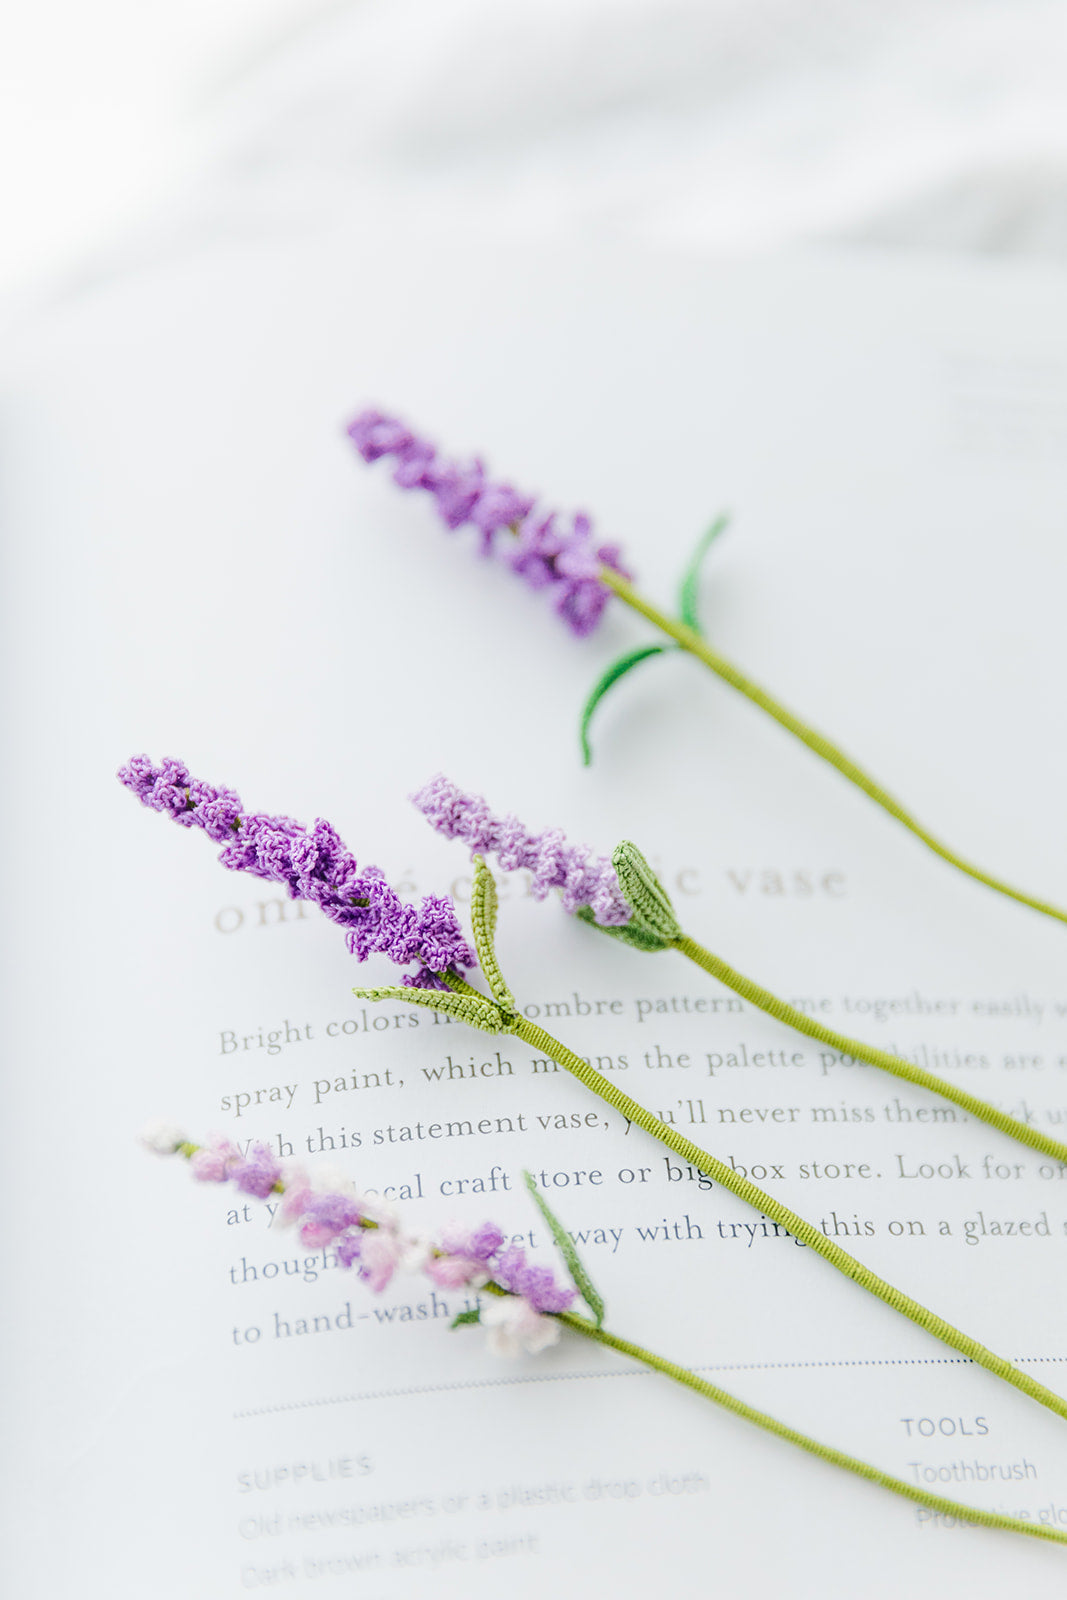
(324, 1216)
(465, 1255)
(582, 878)
(220, 1161)
(364, 1234)
(313, 864)
(214, 1161)
(257, 1172)
(543, 547)
(348, 1248)
(535, 1284)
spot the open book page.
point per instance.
(200, 566)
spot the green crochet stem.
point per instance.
(773, 1209)
(837, 1458)
(655, 926)
(825, 1452)
(897, 1065)
(690, 640)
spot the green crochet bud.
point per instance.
(653, 913)
(653, 925)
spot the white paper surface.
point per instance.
(198, 565)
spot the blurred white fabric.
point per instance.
(722, 125)
(730, 124)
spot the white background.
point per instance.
(712, 123)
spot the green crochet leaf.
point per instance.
(690, 585)
(465, 1318)
(565, 1245)
(617, 670)
(631, 933)
(468, 1008)
(483, 923)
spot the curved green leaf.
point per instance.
(465, 1319)
(632, 933)
(617, 670)
(483, 922)
(690, 585)
(469, 1008)
(565, 1246)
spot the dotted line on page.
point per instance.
(635, 1372)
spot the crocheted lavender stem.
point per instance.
(366, 1236)
(547, 551)
(583, 878)
(313, 864)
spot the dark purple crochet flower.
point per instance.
(543, 547)
(313, 864)
(583, 878)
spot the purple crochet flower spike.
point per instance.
(361, 1233)
(313, 864)
(542, 546)
(583, 879)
